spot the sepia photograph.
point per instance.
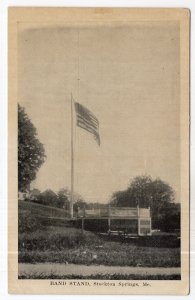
(99, 149)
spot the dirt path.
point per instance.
(72, 269)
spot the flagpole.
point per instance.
(72, 160)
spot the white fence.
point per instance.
(120, 212)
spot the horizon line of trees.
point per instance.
(60, 199)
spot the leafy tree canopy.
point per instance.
(31, 153)
(63, 201)
(48, 197)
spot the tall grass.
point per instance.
(87, 249)
(56, 238)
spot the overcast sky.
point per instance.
(129, 78)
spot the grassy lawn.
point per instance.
(40, 210)
(42, 243)
(69, 245)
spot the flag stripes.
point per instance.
(88, 123)
(87, 120)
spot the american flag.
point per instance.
(87, 120)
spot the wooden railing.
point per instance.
(121, 212)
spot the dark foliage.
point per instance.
(31, 153)
(63, 201)
(49, 198)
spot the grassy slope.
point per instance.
(32, 216)
(41, 243)
(40, 210)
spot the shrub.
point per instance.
(27, 222)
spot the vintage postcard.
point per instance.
(98, 151)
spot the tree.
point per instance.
(64, 196)
(161, 195)
(140, 189)
(136, 193)
(63, 201)
(35, 195)
(123, 198)
(169, 219)
(145, 192)
(31, 153)
(49, 198)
